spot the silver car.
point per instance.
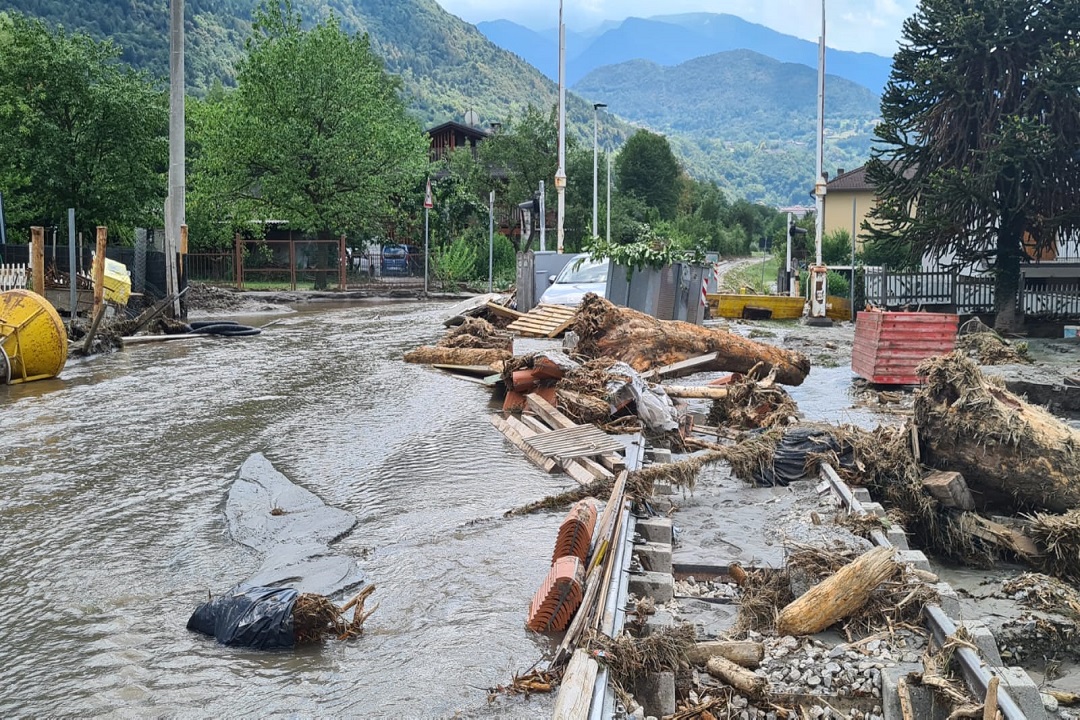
(580, 276)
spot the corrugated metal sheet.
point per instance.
(890, 345)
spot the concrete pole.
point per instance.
(543, 219)
(854, 220)
(427, 250)
(818, 273)
(607, 225)
(560, 174)
(176, 202)
(595, 162)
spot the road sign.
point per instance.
(428, 202)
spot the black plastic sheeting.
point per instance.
(254, 617)
(789, 460)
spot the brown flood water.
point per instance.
(112, 528)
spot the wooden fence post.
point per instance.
(341, 263)
(238, 261)
(99, 268)
(37, 259)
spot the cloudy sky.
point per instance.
(863, 25)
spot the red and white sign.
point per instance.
(428, 201)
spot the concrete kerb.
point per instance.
(1016, 683)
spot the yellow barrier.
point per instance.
(33, 342)
(733, 306)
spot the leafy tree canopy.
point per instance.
(77, 129)
(978, 143)
(647, 168)
(314, 134)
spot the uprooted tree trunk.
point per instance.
(1012, 453)
(643, 342)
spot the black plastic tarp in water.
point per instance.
(254, 617)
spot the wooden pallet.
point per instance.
(545, 321)
(574, 442)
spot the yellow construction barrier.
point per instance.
(782, 307)
(33, 342)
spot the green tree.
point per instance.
(646, 167)
(77, 129)
(522, 153)
(978, 140)
(315, 132)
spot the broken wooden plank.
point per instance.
(514, 435)
(949, 489)
(496, 309)
(1003, 536)
(679, 368)
(701, 392)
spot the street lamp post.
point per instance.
(595, 166)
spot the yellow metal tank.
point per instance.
(33, 342)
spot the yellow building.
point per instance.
(848, 200)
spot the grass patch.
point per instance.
(759, 276)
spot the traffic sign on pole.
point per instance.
(428, 201)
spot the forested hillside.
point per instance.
(447, 67)
(743, 119)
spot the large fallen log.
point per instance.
(838, 596)
(1012, 454)
(428, 355)
(643, 342)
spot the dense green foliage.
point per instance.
(981, 117)
(77, 129)
(314, 134)
(648, 170)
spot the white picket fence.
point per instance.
(14, 277)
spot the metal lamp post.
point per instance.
(595, 166)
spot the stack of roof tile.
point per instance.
(575, 533)
(558, 598)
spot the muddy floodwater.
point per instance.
(112, 527)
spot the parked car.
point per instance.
(401, 260)
(580, 276)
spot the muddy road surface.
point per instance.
(113, 528)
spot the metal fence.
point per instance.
(967, 295)
(14, 277)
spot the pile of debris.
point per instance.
(971, 453)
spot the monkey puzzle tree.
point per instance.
(977, 152)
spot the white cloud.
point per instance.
(860, 25)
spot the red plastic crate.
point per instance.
(890, 345)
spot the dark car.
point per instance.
(401, 260)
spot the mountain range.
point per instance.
(673, 39)
(739, 118)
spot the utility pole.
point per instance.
(595, 156)
(560, 174)
(608, 224)
(175, 203)
(819, 273)
(491, 241)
